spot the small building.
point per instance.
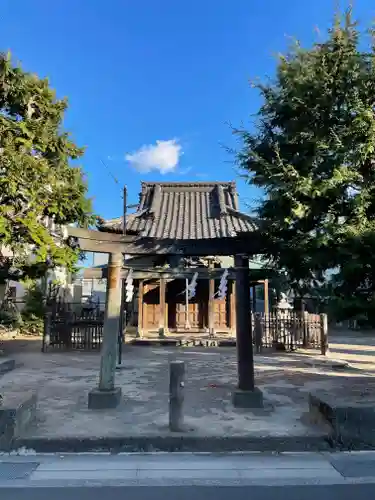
(192, 214)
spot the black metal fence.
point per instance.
(80, 326)
(73, 326)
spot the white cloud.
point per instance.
(162, 156)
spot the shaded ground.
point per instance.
(63, 381)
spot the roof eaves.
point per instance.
(243, 216)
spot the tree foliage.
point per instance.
(37, 179)
(312, 151)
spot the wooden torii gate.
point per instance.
(107, 395)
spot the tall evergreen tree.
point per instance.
(36, 176)
(313, 153)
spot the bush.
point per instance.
(32, 326)
(10, 318)
(35, 307)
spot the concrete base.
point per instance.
(17, 413)
(101, 400)
(248, 399)
(352, 420)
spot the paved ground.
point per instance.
(64, 379)
(335, 492)
(142, 476)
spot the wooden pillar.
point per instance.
(140, 308)
(106, 395)
(211, 304)
(232, 306)
(187, 322)
(163, 311)
(266, 297)
(245, 361)
(246, 395)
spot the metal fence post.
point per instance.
(47, 331)
(323, 334)
(258, 333)
(176, 395)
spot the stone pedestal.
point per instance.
(17, 414)
(100, 399)
(248, 399)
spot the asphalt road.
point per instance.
(323, 492)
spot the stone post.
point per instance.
(47, 331)
(107, 395)
(246, 395)
(176, 395)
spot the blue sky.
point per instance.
(152, 84)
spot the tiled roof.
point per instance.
(185, 211)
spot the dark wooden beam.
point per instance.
(203, 273)
(100, 236)
(97, 241)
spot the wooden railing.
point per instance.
(290, 330)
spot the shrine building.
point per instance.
(201, 217)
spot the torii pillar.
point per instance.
(246, 394)
(106, 395)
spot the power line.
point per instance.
(109, 171)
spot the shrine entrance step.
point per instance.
(185, 341)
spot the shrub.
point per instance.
(35, 307)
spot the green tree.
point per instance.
(37, 178)
(312, 151)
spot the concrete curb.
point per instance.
(133, 444)
(335, 364)
(352, 426)
(17, 413)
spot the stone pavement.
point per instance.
(182, 469)
(64, 379)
